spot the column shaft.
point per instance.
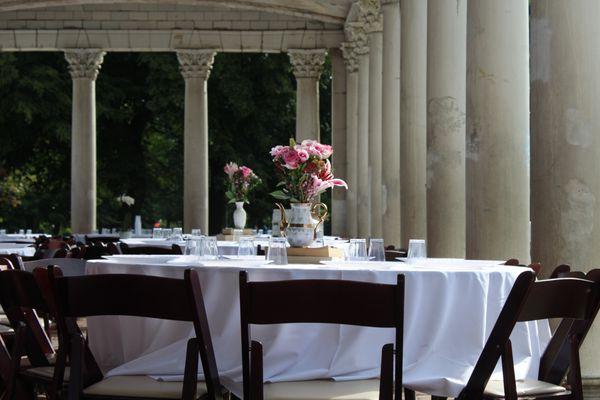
(413, 146)
(307, 66)
(446, 91)
(83, 156)
(375, 133)
(352, 152)
(195, 156)
(195, 67)
(498, 130)
(364, 188)
(308, 124)
(391, 123)
(84, 65)
(565, 92)
(339, 140)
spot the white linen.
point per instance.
(449, 313)
(22, 249)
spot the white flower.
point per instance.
(128, 200)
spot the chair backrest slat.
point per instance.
(324, 301)
(559, 298)
(133, 295)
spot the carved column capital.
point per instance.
(84, 63)
(357, 35)
(195, 63)
(307, 63)
(370, 15)
(350, 56)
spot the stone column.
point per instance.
(355, 31)
(391, 122)
(195, 67)
(413, 146)
(371, 17)
(446, 92)
(307, 66)
(498, 130)
(339, 141)
(351, 59)
(84, 65)
(565, 92)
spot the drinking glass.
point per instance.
(246, 246)
(416, 249)
(167, 233)
(177, 234)
(277, 252)
(156, 233)
(196, 232)
(28, 232)
(21, 231)
(193, 247)
(357, 250)
(105, 231)
(376, 250)
(210, 248)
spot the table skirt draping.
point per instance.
(450, 309)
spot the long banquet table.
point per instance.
(450, 309)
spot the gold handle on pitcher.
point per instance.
(320, 215)
(283, 223)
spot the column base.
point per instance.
(591, 388)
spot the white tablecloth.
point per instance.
(22, 249)
(450, 309)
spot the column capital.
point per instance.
(350, 56)
(357, 35)
(307, 63)
(84, 63)
(370, 15)
(196, 63)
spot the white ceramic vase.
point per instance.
(239, 215)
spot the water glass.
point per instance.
(357, 250)
(167, 233)
(417, 249)
(156, 233)
(193, 247)
(177, 234)
(277, 252)
(21, 231)
(210, 248)
(376, 250)
(246, 247)
(196, 232)
(28, 232)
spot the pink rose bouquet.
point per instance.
(305, 171)
(240, 181)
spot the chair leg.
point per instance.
(409, 394)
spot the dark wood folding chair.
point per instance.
(136, 295)
(576, 302)
(125, 249)
(536, 267)
(322, 301)
(392, 253)
(21, 298)
(96, 240)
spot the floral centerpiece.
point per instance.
(305, 172)
(240, 182)
(126, 203)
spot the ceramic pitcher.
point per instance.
(301, 223)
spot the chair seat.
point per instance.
(367, 389)
(44, 373)
(6, 330)
(527, 387)
(139, 386)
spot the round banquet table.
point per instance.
(22, 249)
(450, 309)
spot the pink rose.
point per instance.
(291, 159)
(302, 155)
(246, 172)
(277, 151)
